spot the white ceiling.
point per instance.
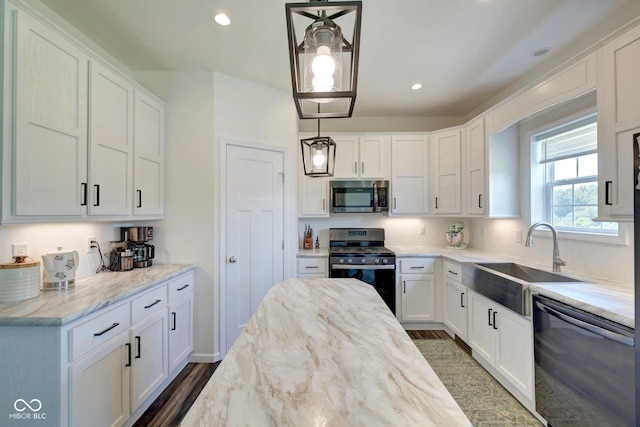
(464, 52)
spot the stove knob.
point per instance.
(349, 261)
(341, 260)
(377, 260)
(384, 261)
(363, 260)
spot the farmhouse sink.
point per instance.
(507, 283)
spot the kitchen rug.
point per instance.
(483, 400)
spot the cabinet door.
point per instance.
(475, 140)
(180, 331)
(409, 174)
(100, 385)
(514, 351)
(374, 157)
(149, 153)
(455, 311)
(482, 334)
(149, 365)
(110, 143)
(347, 152)
(314, 197)
(618, 119)
(446, 172)
(50, 145)
(418, 294)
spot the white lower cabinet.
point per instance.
(313, 268)
(180, 320)
(456, 300)
(417, 286)
(502, 341)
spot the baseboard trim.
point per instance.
(203, 358)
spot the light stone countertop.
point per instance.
(313, 253)
(90, 293)
(324, 352)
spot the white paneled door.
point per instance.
(254, 231)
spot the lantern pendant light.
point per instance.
(318, 155)
(324, 64)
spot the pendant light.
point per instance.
(324, 56)
(318, 155)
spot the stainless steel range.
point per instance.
(359, 253)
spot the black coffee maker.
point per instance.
(138, 239)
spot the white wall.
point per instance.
(380, 124)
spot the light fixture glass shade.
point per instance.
(318, 156)
(324, 46)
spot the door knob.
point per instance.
(233, 259)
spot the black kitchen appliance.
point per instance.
(137, 240)
(359, 196)
(359, 253)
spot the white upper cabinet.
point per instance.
(362, 156)
(409, 174)
(149, 154)
(475, 164)
(447, 159)
(110, 143)
(50, 139)
(313, 201)
(618, 120)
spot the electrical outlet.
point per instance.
(518, 236)
(89, 240)
(19, 249)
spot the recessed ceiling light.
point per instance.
(416, 86)
(222, 19)
(540, 52)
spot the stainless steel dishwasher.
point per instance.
(584, 367)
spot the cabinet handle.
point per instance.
(394, 203)
(139, 198)
(138, 345)
(362, 171)
(152, 304)
(417, 267)
(184, 287)
(323, 204)
(83, 186)
(96, 202)
(489, 317)
(311, 266)
(462, 299)
(607, 193)
(455, 273)
(404, 286)
(495, 326)
(107, 329)
(128, 345)
(173, 319)
(355, 167)
(480, 201)
(436, 203)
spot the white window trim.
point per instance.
(622, 239)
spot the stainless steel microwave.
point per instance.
(359, 196)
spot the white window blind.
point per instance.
(572, 140)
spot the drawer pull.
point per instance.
(311, 266)
(107, 329)
(455, 273)
(173, 320)
(128, 345)
(153, 303)
(138, 345)
(184, 287)
(417, 267)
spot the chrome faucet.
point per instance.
(557, 262)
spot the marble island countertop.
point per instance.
(324, 352)
(90, 293)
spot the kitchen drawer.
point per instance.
(453, 270)
(417, 265)
(180, 286)
(312, 265)
(97, 331)
(148, 303)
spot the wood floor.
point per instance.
(172, 405)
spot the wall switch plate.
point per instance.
(518, 236)
(89, 240)
(19, 249)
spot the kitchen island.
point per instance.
(324, 352)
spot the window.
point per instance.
(568, 162)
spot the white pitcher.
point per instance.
(59, 269)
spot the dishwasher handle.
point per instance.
(603, 332)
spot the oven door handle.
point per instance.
(362, 267)
(605, 333)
